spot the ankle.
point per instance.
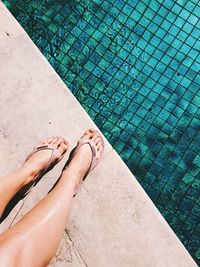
(24, 175)
(71, 173)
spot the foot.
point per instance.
(82, 158)
(39, 160)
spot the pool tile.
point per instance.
(134, 68)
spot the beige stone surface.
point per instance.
(113, 222)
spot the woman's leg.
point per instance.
(13, 182)
(33, 241)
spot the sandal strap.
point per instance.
(84, 140)
(94, 161)
(45, 147)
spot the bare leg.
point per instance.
(13, 182)
(33, 241)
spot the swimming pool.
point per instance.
(134, 67)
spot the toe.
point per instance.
(87, 133)
(50, 140)
(90, 133)
(97, 138)
(97, 141)
(90, 130)
(99, 145)
(45, 141)
(55, 140)
(59, 141)
(63, 146)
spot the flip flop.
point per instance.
(94, 161)
(54, 159)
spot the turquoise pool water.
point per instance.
(134, 67)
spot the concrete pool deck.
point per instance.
(113, 222)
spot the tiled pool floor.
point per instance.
(134, 67)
